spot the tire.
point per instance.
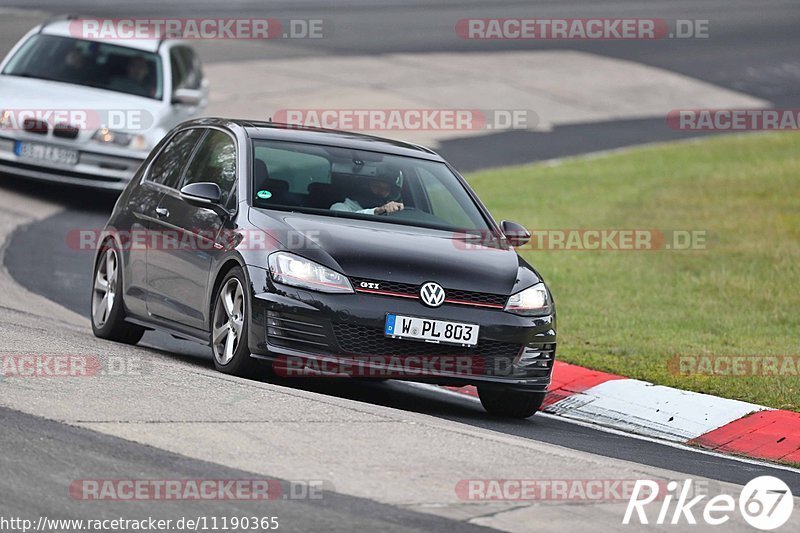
(510, 403)
(107, 306)
(229, 318)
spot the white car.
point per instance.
(87, 112)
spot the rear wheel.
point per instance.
(510, 403)
(108, 310)
(229, 327)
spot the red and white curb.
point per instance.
(634, 406)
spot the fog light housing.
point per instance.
(536, 357)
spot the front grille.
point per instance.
(390, 286)
(495, 357)
(65, 131)
(476, 297)
(454, 296)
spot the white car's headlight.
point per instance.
(297, 271)
(7, 120)
(120, 138)
(533, 301)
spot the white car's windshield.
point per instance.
(89, 63)
(359, 184)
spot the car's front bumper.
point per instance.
(344, 332)
(96, 169)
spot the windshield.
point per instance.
(358, 184)
(79, 62)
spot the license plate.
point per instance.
(429, 330)
(46, 152)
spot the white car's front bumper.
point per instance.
(93, 169)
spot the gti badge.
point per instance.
(432, 294)
(369, 285)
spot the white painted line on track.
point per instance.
(652, 410)
(612, 431)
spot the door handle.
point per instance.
(162, 212)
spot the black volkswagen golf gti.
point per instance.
(324, 253)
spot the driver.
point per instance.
(380, 195)
(135, 79)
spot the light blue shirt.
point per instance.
(352, 206)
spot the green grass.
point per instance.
(631, 312)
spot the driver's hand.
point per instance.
(389, 208)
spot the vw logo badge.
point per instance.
(432, 294)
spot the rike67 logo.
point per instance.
(766, 503)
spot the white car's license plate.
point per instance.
(429, 330)
(46, 152)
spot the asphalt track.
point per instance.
(752, 50)
(43, 449)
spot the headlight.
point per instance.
(297, 271)
(533, 301)
(120, 138)
(7, 120)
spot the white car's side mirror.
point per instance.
(190, 97)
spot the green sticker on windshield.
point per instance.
(264, 194)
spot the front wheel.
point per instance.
(108, 310)
(229, 327)
(510, 403)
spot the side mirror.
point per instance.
(204, 194)
(189, 97)
(516, 234)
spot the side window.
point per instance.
(186, 70)
(167, 166)
(215, 162)
(194, 71)
(178, 69)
